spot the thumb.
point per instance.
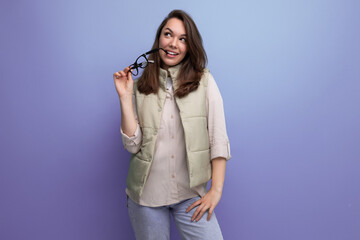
(129, 75)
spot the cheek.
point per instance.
(184, 49)
(161, 42)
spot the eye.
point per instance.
(167, 34)
(183, 39)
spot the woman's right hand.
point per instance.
(124, 83)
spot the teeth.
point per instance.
(171, 53)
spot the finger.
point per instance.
(129, 75)
(203, 210)
(193, 205)
(197, 212)
(189, 208)
(116, 75)
(210, 213)
(199, 216)
(127, 70)
(122, 74)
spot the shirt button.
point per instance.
(172, 156)
(172, 175)
(172, 137)
(172, 116)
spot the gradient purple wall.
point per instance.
(289, 73)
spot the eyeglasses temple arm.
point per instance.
(152, 51)
(155, 50)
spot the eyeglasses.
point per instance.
(142, 61)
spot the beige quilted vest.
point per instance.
(193, 117)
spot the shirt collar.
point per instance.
(174, 71)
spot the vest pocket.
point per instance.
(200, 167)
(137, 174)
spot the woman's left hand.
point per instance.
(209, 201)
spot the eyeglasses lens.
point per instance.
(141, 62)
(134, 71)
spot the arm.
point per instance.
(213, 196)
(218, 174)
(131, 141)
(128, 121)
(219, 143)
(130, 129)
(220, 152)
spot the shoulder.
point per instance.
(206, 73)
(213, 92)
(206, 77)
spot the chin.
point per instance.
(166, 64)
(173, 64)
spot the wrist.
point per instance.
(125, 97)
(217, 189)
(125, 100)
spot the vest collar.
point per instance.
(174, 70)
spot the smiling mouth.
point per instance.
(169, 53)
(172, 53)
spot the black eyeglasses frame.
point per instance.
(136, 65)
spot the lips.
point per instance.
(171, 53)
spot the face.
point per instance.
(173, 40)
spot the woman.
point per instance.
(172, 121)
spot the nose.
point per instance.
(173, 43)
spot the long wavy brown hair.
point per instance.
(193, 64)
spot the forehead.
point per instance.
(176, 25)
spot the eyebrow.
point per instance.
(173, 32)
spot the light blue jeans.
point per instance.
(154, 222)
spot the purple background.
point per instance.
(289, 74)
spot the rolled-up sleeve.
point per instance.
(132, 143)
(219, 141)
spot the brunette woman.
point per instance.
(172, 121)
